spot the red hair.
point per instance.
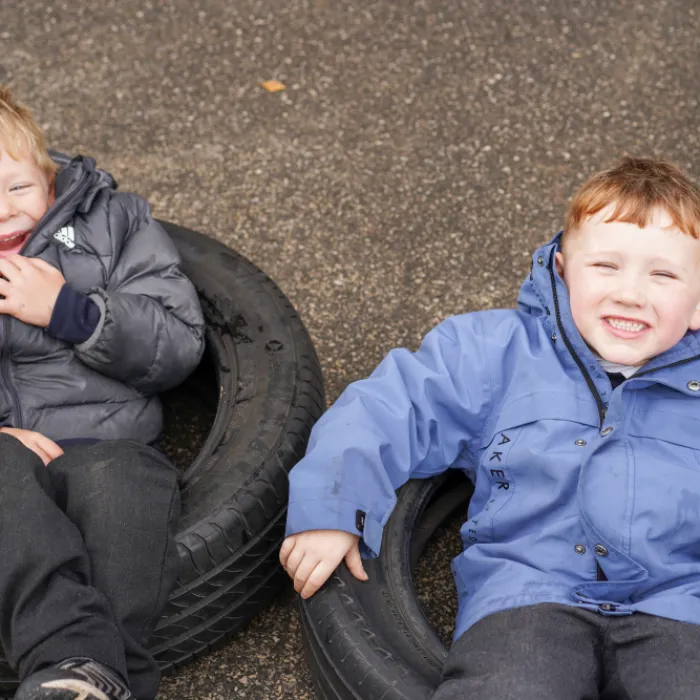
(638, 188)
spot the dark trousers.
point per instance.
(88, 556)
(563, 653)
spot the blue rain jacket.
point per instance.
(584, 495)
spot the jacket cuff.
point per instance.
(75, 316)
(97, 331)
(337, 515)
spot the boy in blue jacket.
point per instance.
(577, 417)
(96, 318)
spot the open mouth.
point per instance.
(13, 240)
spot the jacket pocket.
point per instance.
(669, 428)
(666, 509)
(530, 458)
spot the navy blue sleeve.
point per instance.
(74, 317)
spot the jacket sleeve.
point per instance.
(413, 417)
(151, 330)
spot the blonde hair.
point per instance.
(21, 135)
(638, 188)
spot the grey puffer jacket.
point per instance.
(150, 335)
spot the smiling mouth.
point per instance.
(625, 325)
(12, 240)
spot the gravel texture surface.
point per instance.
(419, 152)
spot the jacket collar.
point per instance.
(77, 184)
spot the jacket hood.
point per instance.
(535, 295)
(80, 177)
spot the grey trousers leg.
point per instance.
(530, 653)
(649, 657)
(89, 557)
(560, 652)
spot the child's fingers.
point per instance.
(18, 261)
(49, 447)
(37, 263)
(307, 565)
(9, 267)
(293, 560)
(354, 563)
(316, 578)
(39, 452)
(286, 550)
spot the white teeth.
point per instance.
(16, 237)
(626, 325)
(11, 238)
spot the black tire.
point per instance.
(370, 640)
(263, 383)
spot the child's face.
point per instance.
(634, 292)
(25, 195)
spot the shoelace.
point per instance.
(103, 678)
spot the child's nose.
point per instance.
(629, 294)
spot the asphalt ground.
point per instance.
(418, 154)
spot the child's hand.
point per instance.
(311, 557)
(39, 444)
(30, 288)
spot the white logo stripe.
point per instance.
(66, 235)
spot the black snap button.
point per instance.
(600, 550)
(554, 337)
(693, 385)
(540, 260)
(606, 431)
(580, 549)
(606, 607)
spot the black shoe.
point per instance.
(77, 678)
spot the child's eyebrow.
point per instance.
(603, 254)
(665, 262)
(12, 172)
(15, 175)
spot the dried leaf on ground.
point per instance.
(273, 85)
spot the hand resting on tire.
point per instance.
(311, 557)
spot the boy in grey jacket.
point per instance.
(96, 318)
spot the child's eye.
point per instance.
(608, 266)
(15, 188)
(662, 273)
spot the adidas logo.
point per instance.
(66, 235)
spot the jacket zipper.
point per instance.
(599, 573)
(7, 380)
(591, 385)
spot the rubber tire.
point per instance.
(371, 640)
(268, 390)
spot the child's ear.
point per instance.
(559, 262)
